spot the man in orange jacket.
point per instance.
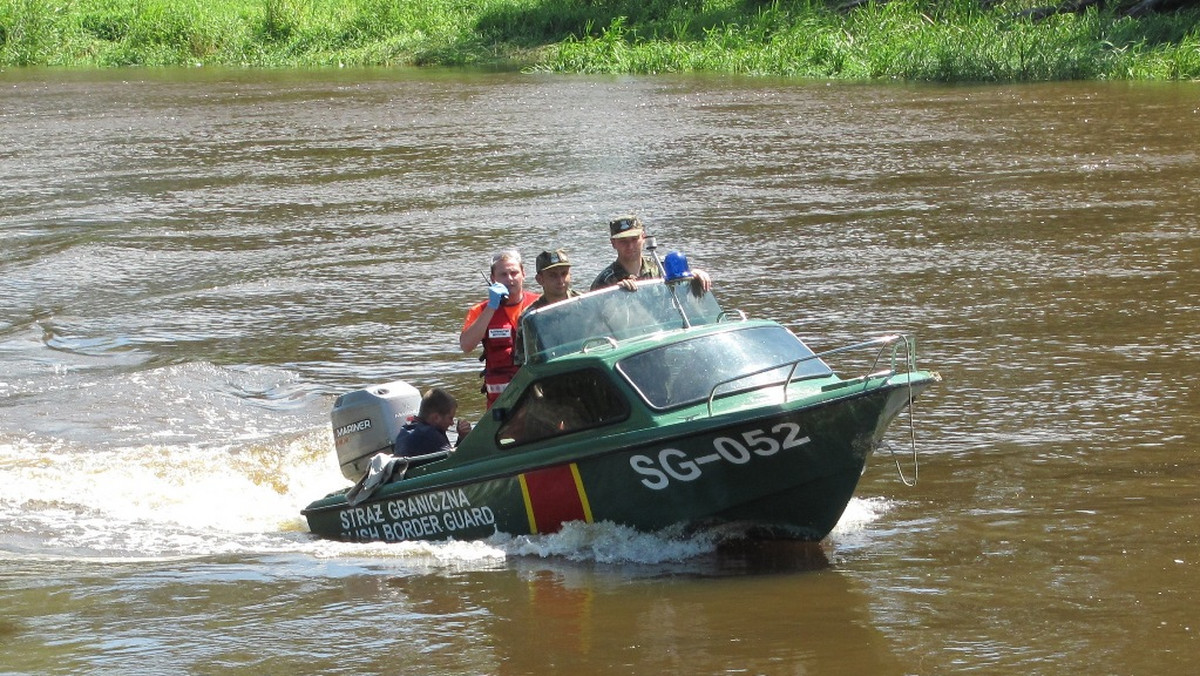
(493, 322)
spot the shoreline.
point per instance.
(954, 41)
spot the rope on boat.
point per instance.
(910, 353)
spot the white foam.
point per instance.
(607, 542)
(160, 501)
(860, 513)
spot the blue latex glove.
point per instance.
(497, 292)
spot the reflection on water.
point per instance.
(194, 263)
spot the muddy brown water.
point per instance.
(195, 262)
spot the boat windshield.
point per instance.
(613, 313)
(689, 371)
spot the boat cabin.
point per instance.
(588, 360)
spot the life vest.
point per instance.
(498, 343)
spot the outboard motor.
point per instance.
(366, 422)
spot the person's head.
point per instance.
(438, 408)
(509, 271)
(554, 274)
(627, 236)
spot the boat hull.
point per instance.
(783, 471)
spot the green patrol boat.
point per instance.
(649, 409)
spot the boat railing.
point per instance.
(909, 366)
(901, 358)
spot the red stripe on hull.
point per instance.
(554, 498)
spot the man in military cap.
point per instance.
(628, 236)
(554, 274)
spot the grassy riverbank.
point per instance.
(946, 40)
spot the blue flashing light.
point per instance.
(675, 267)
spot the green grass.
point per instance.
(944, 40)
(903, 41)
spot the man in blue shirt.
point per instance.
(426, 433)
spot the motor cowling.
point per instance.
(366, 422)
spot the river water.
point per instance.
(195, 263)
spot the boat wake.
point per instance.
(163, 503)
(606, 543)
(68, 499)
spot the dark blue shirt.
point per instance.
(418, 437)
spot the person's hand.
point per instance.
(463, 428)
(701, 282)
(629, 284)
(497, 292)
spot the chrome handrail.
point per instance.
(598, 341)
(726, 314)
(895, 340)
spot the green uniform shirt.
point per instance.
(615, 273)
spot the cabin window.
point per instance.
(561, 404)
(689, 371)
